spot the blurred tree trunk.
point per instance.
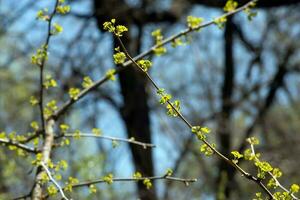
(135, 113)
(224, 183)
(135, 110)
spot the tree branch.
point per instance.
(132, 141)
(53, 181)
(168, 40)
(170, 178)
(42, 65)
(8, 142)
(47, 147)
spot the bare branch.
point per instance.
(270, 173)
(8, 142)
(171, 178)
(42, 65)
(53, 181)
(130, 140)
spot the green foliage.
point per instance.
(282, 196)
(147, 183)
(169, 172)
(33, 100)
(34, 125)
(110, 26)
(109, 178)
(294, 188)
(158, 37)
(52, 190)
(204, 148)
(64, 127)
(258, 196)
(117, 30)
(43, 14)
(97, 131)
(57, 29)
(177, 42)
(40, 56)
(77, 135)
(236, 156)
(144, 64)
(92, 188)
(230, 6)
(87, 82)
(73, 93)
(49, 82)
(62, 8)
(173, 108)
(253, 141)
(110, 74)
(193, 22)
(119, 58)
(165, 97)
(200, 132)
(249, 11)
(277, 173)
(120, 29)
(220, 22)
(137, 175)
(69, 184)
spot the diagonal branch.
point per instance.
(54, 181)
(270, 173)
(168, 40)
(189, 125)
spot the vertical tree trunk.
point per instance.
(224, 183)
(135, 113)
(37, 191)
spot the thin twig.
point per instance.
(270, 173)
(42, 66)
(186, 181)
(132, 141)
(8, 142)
(101, 180)
(54, 181)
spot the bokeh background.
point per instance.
(242, 80)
